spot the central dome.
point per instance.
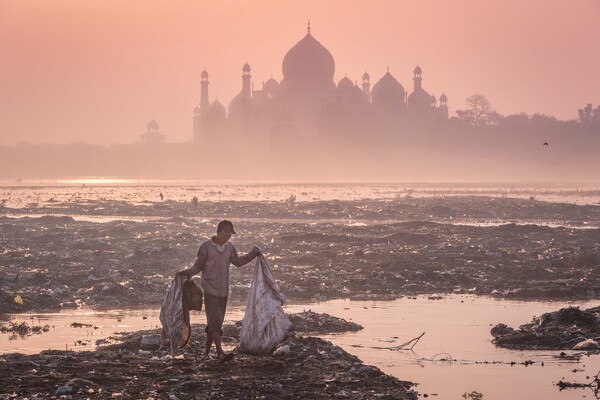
(308, 68)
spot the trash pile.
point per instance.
(316, 323)
(367, 249)
(23, 329)
(566, 329)
(299, 368)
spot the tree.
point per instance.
(480, 108)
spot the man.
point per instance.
(213, 260)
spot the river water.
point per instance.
(454, 357)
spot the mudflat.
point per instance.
(115, 253)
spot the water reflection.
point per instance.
(453, 359)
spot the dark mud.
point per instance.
(368, 249)
(301, 368)
(566, 329)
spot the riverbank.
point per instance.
(303, 367)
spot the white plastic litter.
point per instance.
(265, 324)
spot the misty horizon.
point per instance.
(102, 84)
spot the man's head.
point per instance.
(226, 227)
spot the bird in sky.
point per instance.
(545, 143)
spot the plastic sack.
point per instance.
(265, 324)
(183, 295)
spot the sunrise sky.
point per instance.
(99, 70)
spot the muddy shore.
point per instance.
(53, 256)
(302, 367)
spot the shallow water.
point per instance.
(456, 328)
(20, 193)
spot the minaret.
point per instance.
(204, 91)
(366, 86)
(417, 79)
(444, 106)
(246, 88)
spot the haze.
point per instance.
(98, 71)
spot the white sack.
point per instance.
(265, 324)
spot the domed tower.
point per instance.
(153, 134)
(240, 107)
(366, 85)
(419, 101)
(204, 90)
(417, 78)
(443, 109)
(246, 81)
(308, 69)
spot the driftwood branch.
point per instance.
(403, 346)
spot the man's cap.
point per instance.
(226, 227)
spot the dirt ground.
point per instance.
(302, 367)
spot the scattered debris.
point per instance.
(23, 328)
(447, 245)
(568, 328)
(301, 368)
(594, 384)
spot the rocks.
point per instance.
(567, 328)
(150, 342)
(312, 322)
(588, 344)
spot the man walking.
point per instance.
(214, 257)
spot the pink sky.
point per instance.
(99, 70)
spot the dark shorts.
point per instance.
(215, 312)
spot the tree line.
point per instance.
(479, 114)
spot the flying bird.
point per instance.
(545, 143)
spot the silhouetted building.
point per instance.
(152, 134)
(308, 104)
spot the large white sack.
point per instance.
(265, 324)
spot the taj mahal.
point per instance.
(307, 104)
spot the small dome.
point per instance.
(345, 84)
(204, 74)
(246, 68)
(366, 76)
(196, 110)
(271, 85)
(417, 70)
(152, 125)
(388, 90)
(443, 97)
(217, 110)
(419, 99)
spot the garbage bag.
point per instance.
(182, 296)
(265, 323)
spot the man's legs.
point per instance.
(215, 308)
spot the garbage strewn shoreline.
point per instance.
(302, 367)
(52, 262)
